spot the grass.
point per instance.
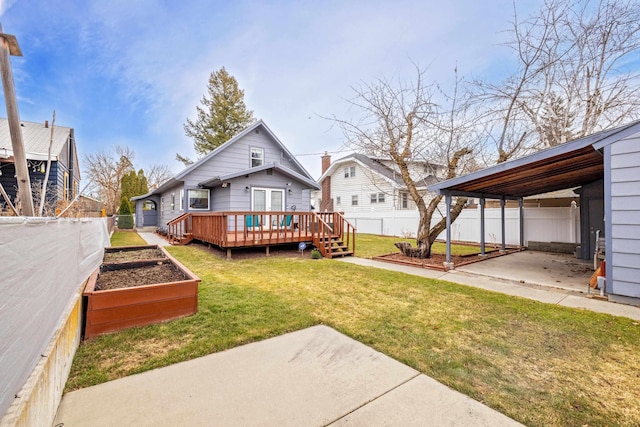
(126, 238)
(370, 245)
(543, 365)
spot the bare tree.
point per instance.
(570, 79)
(158, 174)
(106, 170)
(400, 121)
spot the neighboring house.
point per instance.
(359, 183)
(253, 171)
(64, 176)
(606, 167)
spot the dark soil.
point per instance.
(139, 276)
(133, 255)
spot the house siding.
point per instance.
(624, 257)
(236, 157)
(363, 184)
(54, 188)
(165, 212)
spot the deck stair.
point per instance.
(182, 240)
(335, 247)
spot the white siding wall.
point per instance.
(363, 184)
(625, 217)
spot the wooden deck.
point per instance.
(330, 232)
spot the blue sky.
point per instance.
(131, 72)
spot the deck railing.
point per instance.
(250, 228)
(330, 226)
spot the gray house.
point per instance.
(253, 171)
(606, 167)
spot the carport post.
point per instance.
(521, 203)
(482, 200)
(447, 199)
(504, 246)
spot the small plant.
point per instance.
(315, 254)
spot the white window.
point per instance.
(337, 200)
(198, 199)
(350, 172)
(377, 198)
(173, 201)
(161, 205)
(354, 200)
(257, 157)
(404, 200)
(181, 200)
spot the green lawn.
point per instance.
(543, 365)
(126, 238)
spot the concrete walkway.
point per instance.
(312, 377)
(153, 239)
(548, 294)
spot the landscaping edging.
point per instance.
(468, 259)
(115, 309)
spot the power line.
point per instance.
(320, 154)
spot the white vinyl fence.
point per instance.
(540, 224)
(44, 263)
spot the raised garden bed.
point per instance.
(128, 290)
(133, 253)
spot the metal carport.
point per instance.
(573, 164)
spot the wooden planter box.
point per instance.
(115, 309)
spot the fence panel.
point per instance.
(44, 263)
(553, 224)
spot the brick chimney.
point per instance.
(46, 124)
(326, 204)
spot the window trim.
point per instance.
(257, 150)
(208, 199)
(181, 195)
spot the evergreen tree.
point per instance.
(133, 184)
(222, 115)
(125, 220)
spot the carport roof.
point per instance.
(568, 165)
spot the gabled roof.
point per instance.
(218, 180)
(36, 138)
(236, 138)
(572, 164)
(306, 178)
(376, 166)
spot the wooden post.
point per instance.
(9, 44)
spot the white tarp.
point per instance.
(43, 262)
